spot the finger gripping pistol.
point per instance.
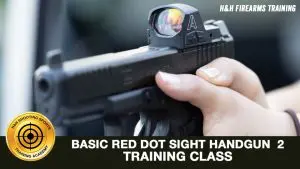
(117, 85)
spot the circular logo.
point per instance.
(30, 136)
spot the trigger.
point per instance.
(162, 128)
(141, 125)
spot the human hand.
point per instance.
(236, 76)
(231, 99)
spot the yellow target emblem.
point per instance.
(30, 136)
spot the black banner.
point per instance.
(163, 152)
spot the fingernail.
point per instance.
(170, 79)
(210, 72)
(222, 78)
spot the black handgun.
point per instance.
(117, 85)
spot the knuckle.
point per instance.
(255, 82)
(256, 87)
(242, 70)
(244, 76)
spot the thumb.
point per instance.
(190, 88)
(230, 73)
